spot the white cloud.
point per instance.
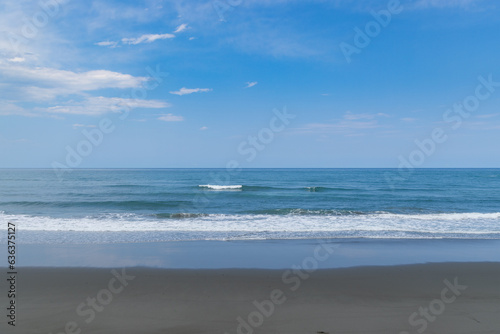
(191, 38)
(408, 119)
(76, 126)
(203, 128)
(181, 28)
(42, 83)
(82, 81)
(146, 38)
(7, 109)
(251, 84)
(171, 118)
(111, 44)
(93, 106)
(186, 91)
(17, 60)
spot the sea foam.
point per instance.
(220, 187)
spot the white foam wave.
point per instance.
(371, 224)
(219, 187)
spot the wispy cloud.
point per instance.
(94, 106)
(16, 60)
(68, 81)
(203, 128)
(251, 84)
(181, 28)
(349, 125)
(111, 44)
(41, 84)
(186, 91)
(350, 116)
(149, 38)
(488, 115)
(171, 118)
(9, 109)
(67, 91)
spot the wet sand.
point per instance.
(431, 298)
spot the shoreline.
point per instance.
(454, 297)
(263, 254)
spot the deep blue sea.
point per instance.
(121, 205)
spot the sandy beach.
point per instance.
(432, 298)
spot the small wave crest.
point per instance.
(271, 188)
(316, 189)
(307, 212)
(221, 187)
(180, 215)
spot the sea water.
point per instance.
(143, 205)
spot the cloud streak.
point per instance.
(181, 28)
(94, 106)
(251, 84)
(187, 91)
(149, 38)
(111, 44)
(9, 109)
(349, 125)
(171, 118)
(17, 60)
(71, 81)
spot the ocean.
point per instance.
(147, 205)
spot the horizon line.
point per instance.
(248, 168)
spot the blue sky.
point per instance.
(189, 83)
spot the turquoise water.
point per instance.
(217, 204)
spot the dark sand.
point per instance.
(350, 300)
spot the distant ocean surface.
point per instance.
(144, 205)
